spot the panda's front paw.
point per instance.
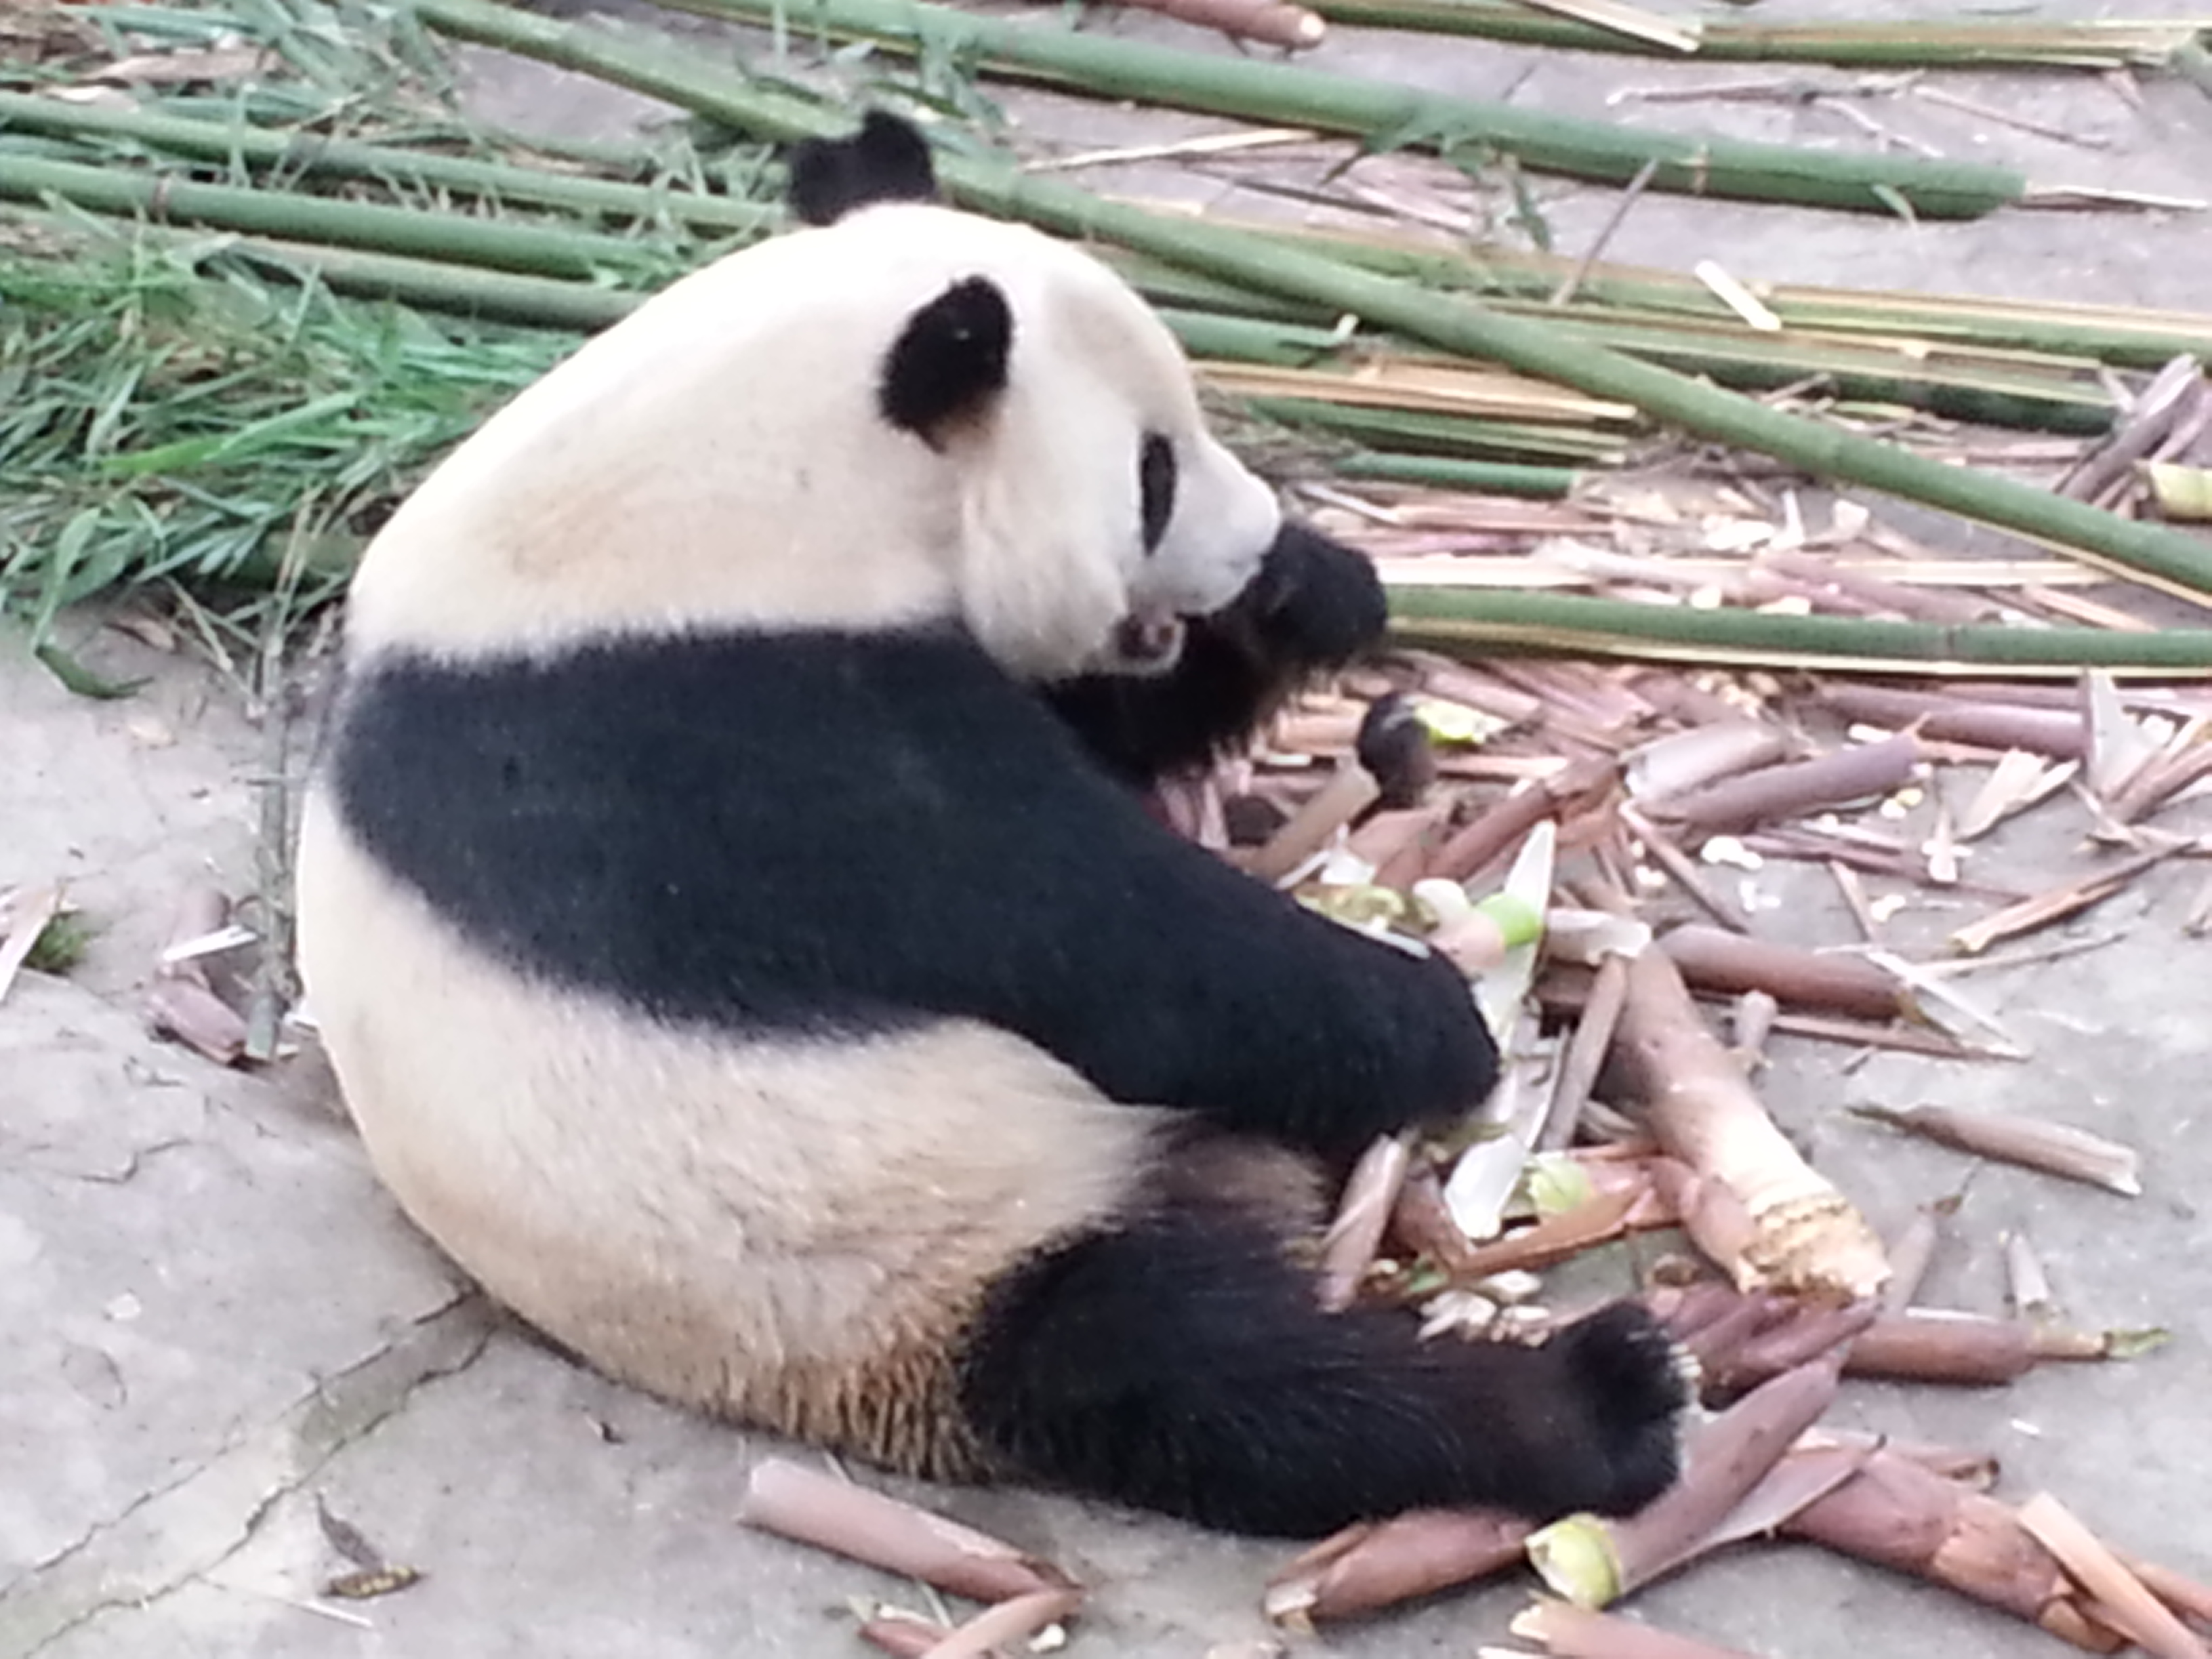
(1628, 1390)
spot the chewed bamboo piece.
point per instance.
(1788, 1338)
(1350, 791)
(180, 1002)
(1487, 838)
(2027, 1287)
(1422, 1223)
(1898, 1514)
(1584, 1057)
(1363, 1213)
(1794, 787)
(1929, 1345)
(1741, 1340)
(26, 916)
(2055, 1148)
(798, 1504)
(1714, 959)
(1762, 1211)
(1700, 755)
(902, 1635)
(1567, 1631)
(1912, 1254)
(1602, 1217)
(2041, 909)
(1926, 1345)
(1975, 1470)
(1011, 1622)
(1375, 1565)
(2122, 1600)
(2058, 733)
(2191, 1598)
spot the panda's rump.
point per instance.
(773, 1228)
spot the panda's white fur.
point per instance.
(732, 960)
(720, 1259)
(748, 389)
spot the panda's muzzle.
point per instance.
(1148, 642)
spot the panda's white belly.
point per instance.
(703, 1215)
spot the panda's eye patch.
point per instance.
(1155, 484)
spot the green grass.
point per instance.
(187, 409)
(61, 943)
(169, 415)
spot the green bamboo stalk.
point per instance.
(2033, 366)
(1378, 112)
(1170, 285)
(161, 197)
(2038, 396)
(1446, 472)
(1960, 43)
(1957, 379)
(2111, 334)
(2149, 553)
(435, 285)
(1249, 339)
(1471, 621)
(1465, 436)
(2037, 393)
(312, 152)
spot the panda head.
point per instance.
(899, 415)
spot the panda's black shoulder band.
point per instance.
(886, 161)
(831, 835)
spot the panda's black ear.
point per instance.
(887, 161)
(948, 362)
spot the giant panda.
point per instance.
(728, 902)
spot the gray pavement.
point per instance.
(214, 1317)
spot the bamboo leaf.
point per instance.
(79, 680)
(240, 443)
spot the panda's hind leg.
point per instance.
(1182, 1365)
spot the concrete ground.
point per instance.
(215, 1321)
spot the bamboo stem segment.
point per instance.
(2102, 43)
(1257, 89)
(530, 248)
(234, 142)
(1465, 620)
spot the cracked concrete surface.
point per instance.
(190, 1529)
(213, 1318)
